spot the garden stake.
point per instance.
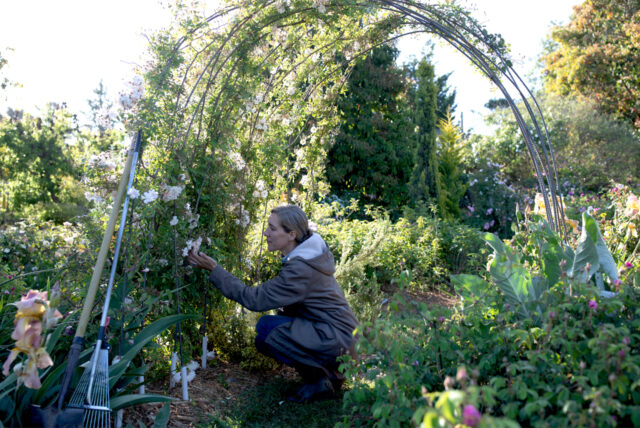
(55, 415)
(183, 368)
(174, 363)
(92, 392)
(204, 333)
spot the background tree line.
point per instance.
(397, 145)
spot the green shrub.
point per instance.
(539, 344)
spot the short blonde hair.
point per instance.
(292, 218)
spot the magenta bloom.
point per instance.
(593, 305)
(628, 265)
(471, 416)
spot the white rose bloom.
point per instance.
(237, 160)
(261, 125)
(92, 197)
(174, 221)
(133, 193)
(171, 193)
(149, 196)
(192, 245)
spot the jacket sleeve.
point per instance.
(287, 288)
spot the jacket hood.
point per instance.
(314, 252)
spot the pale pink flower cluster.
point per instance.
(244, 219)
(135, 92)
(192, 244)
(191, 218)
(102, 161)
(281, 5)
(236, 159)
(633, 206)
(171, 193)
(261, 125)
(149, 196)
(261, 190)
(133, 193)
(321, 5)
(34, 314)
(93, 197)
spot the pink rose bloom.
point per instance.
(593, 305)
(471, 416)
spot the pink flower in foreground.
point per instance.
(32, 304)
(593, 305)
(471, 416)
(33, 311)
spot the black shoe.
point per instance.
(337, 379)
(310, 392)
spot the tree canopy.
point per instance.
(373, 152)
(597, 55)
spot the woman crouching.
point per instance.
(314, 324)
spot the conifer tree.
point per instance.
(450, 155)
(425, 184)
(372, 156)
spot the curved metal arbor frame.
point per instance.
(216, 56)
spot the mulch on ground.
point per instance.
(214, 390)
(222, 385)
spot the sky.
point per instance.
(62, 49)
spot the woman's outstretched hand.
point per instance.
(201, 260)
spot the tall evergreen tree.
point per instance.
(425, 185)
(450, 154)
(446, 98)
(373, 153)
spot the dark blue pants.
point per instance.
(309, 374)
(265, 325)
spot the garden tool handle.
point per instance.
(106, 240)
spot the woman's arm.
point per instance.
(201, 260)
(289, 287)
